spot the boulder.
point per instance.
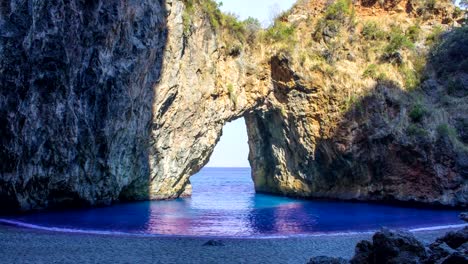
(363, 253)
(390, 246)
(439, 252)
(397, 247)
(455, 238)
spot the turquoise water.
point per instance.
(224, 203)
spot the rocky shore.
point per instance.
(389, 246)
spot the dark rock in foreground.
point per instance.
(393, 247)
(390, 247)
(451, 248)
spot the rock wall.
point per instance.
(328, 131)
(203, 86)
(76, 93)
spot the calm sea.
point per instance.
(224, 203)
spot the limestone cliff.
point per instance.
(76, 93)
(330, 108)
(203, 86)
(363, 108)
(111, 100)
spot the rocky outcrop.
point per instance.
(337, 135)
(76, 93)
(202, 87)
(306, 138)
(390, 246)
(112, 100)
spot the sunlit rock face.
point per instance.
(333, 133)
(202, 87)
(76, 93)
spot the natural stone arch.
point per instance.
(202, 87)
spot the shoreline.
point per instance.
(23, 245)
(24, 225)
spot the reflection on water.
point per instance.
(225, 204)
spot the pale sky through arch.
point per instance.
(233, 150)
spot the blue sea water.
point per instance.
(224, 203)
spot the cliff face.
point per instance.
(108, 100)
(203, 86)
(76, 95)
(318, 125)
(353, 117)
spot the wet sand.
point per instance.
(22, 245)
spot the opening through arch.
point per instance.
(228, 170)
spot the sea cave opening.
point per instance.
(228, 170)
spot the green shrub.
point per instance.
(413, 32)
(417, 113)
(455, 87)
(451, 55)
(339, 10)
(434, 38)
(445, 130)
(417, 131)
(236, 28)
(457, 12)
(234, 49)
(211, 8)
(337, 14)
(371, 72)
(252, 27)
(241, 30)
(232, 94)
(411, 77)
(372, 31)
(398, 41)
(187, 17)
(280, 31)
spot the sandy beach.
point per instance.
(21, 245)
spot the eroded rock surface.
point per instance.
(76, 93)
(201, 89)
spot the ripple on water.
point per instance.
(224, 204)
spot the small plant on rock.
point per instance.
(372, 31)
(417, 113)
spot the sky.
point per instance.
(233, 149)
(260, 9)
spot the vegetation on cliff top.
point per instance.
(242, 31)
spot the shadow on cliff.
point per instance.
(396, 145)
(389, 145)
(76, 97)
